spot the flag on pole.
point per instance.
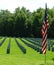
(44, 31)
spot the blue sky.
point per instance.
(28, 4)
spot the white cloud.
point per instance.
(29, 4)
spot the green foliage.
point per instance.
(23, 23)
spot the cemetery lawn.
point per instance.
(17, 57)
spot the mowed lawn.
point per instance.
(17, 57)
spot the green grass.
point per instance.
(16, 56)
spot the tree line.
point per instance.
(23, 23)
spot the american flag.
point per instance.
(44, 32)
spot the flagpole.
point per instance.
(45, 59)
(46, 42)
(44, 34)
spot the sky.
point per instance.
(28, 4)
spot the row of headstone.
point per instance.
(21, 47)
(38, 49)
(34, 42)
(2, 41)
(51, 46)
(8, 47)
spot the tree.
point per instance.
(20, 19)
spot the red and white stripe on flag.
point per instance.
(44, 32)
(44, 37)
